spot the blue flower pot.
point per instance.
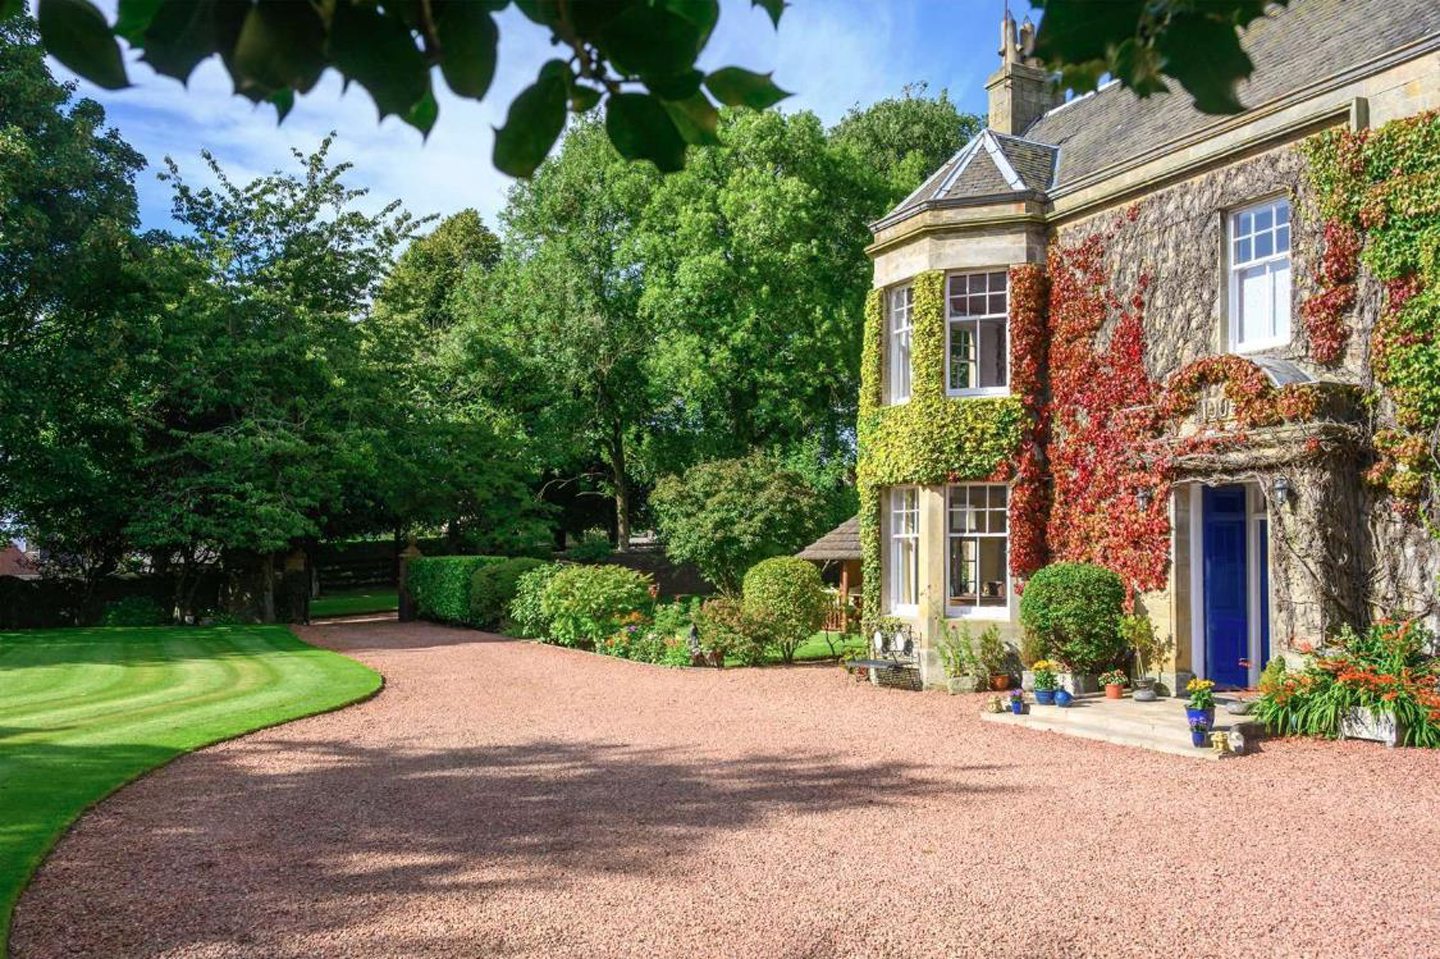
(1198, 738)
(1208, 715)
(1063, 697)
(1017, 706)
(1045, 697)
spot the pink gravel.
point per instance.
(507, 799)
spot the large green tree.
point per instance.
(67, 212)
(907, 137)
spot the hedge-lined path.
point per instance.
(506, 799)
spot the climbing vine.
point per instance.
(1029, 349)
(1383, 187)
(930, 440)
(1326, 315)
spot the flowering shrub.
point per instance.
(583, 604)
(1114, 677)
(727, 630)
(1389, 669)
(641, 642)
(527, 616)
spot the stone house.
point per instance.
(1122, 331)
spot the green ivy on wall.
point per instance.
(933, 438)
(1385, 184)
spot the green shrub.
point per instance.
(527, 615)
(135, 611)
(788, 596)
(440, 585)
(675, 617)
(492, 588)
(593, 547)
(584, 604)
(726, 515)
(1075, 608)
(727, 629)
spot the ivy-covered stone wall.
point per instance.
(929, 440)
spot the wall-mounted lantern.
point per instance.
(1142, 499)
(1280, 486)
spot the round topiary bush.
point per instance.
(788, 596)
(493, 587)
(1075, 609)
(584, 604)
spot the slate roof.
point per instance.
(1292, 47)
(842, 542)
(992, 164)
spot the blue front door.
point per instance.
(1227, 613)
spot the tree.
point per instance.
(727, 515)
(907, 137)
(433, 267)
(755, 272)
(636, 56)
(67, 212)
(556, 330)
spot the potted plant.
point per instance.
(1017, 701)
(1199, 731)
(1063, 697)
(958, 659)
(1045, 681)
(1114, 682)
(1201, 704)
(1151, 654)
(994, 658)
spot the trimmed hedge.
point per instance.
(493, 587)
(440, 585)
(1075, 608)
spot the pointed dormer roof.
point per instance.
(993, 167)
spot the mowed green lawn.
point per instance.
(355, 603)
(84, 711)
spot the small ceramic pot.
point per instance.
(1045, 697)
(1239, 707)
(1063, 697)
(1208, 715)
(1198, 737)
(1144, 694)
(1114, 691)
(1017, 706)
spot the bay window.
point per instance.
(1259, 254)
(904, 549)
(977, 545)
(976, 352)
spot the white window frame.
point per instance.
(977, 610)
(899, 327)
(980, 320)
(903, 529)
(1237, 263)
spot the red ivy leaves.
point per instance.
(1029, 494)
(1325, 313)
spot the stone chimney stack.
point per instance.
(1021, 90)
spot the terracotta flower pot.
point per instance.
(1114, 691)
(999, 681)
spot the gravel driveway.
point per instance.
(507, 799)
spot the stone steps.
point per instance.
(1159, 726)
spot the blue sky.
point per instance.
(832, 53)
